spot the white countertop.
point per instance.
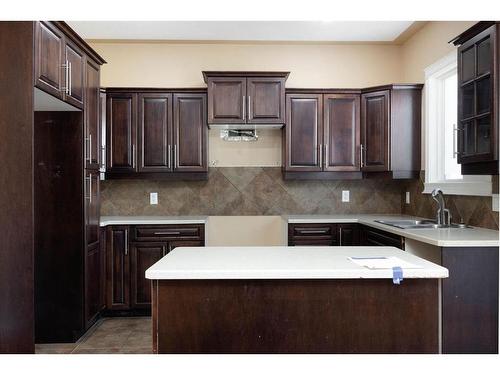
(451, 237)
(282, 262)
(138, 220)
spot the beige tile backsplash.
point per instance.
(262, 191)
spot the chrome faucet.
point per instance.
(443, 216)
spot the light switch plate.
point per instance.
(153, 198)
(407, 197)
(345, 195)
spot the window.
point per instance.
(441, 167)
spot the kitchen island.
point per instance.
(293, 300)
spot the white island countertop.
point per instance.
(443, 237)
(282, 262)
(151, 220)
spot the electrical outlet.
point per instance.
(407, 197)
(153, 198)
(345, 195)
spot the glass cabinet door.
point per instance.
(475, 98)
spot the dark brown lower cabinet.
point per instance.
(131, 250)
(117, 268)
(470, 300)
(374, 237)
(326, 234)
(143, 256)
(94, 302)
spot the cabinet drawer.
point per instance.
(162, 232)
(312, 232)
(373, 237)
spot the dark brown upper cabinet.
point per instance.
(60, 62)
(478, 86)
(303, 133)
(227, 100)
(341, 132)
(321, 135)
(121, 128)
(246, 97)
(391, 131)
(49, 69)
(375, 136)
(92, 116)
(190, 132)
(265, 100)
(157, 134)
(75, 79)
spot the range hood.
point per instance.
(246, 126)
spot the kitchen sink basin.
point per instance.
(419, 224)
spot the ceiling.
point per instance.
(286, 31)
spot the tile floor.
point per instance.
(108, 336)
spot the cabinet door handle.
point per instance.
(65, 66)
(316, 231)
(169, 156)
(175, 157)
(455, 132)
(244, 108)
(167, 233)
(70, 86)
(325, 159)
(361, 156)
(88, 180)
(320, 155)
(89, 155)
(249, 107)
(133, 156)
(340, 239)
(126, 241)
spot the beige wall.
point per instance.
(311, 65)
(245, 231)
(427, 46)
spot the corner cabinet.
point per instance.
(156, 134)
(478, 103)
(322, 135)
(246, 97)
(391, 131)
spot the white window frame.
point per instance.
(433, 137)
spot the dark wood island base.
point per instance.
(296, 316)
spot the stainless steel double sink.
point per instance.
(420, 224)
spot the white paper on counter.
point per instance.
(382, 262)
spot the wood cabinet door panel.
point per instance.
(76, 65)
(49, 72)
(342, 128)
(93, 284)
(348, 235)
(227, 100)
(92, 213)
(303, 133)
(155, 133)
(265, 100)
(117, 264)
(375, 131)
(143, 256)
(92, 113)
(190, 133)
(121, 132)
